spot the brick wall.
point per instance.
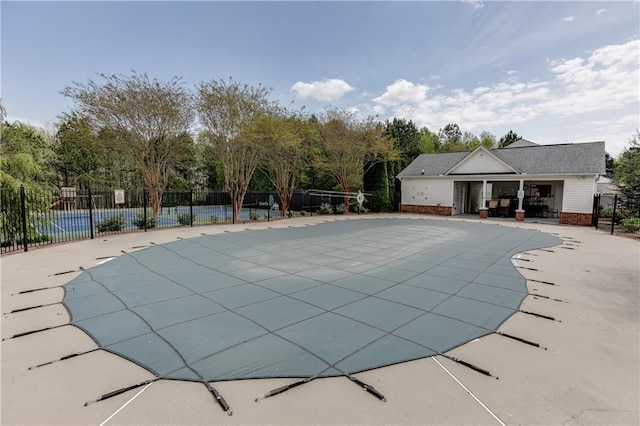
(413, 208)
(581, 219)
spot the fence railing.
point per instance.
(616, 214)
(34, 218)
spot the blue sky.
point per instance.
(554, 72)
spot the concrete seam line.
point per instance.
(469, 392)
(125, 404)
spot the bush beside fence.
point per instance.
(617, 215)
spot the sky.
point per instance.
(553, 72)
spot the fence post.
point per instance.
(613, 215)
(24, 218)
(191, 205)
(90, 212)
(144, 208)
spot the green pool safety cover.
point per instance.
(325, 300)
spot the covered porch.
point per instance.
(509, 198)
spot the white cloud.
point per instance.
(511, 72)
(476, 4)
(325, 90)
(594, 97)
(600, 11)
(568, 18)
(402, 91)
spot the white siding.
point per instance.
(578, 194)
(481, 162)
(427, 192)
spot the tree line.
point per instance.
(136, 131)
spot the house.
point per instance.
(524, 179)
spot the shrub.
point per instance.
(340, 209)
(110, 224)
(140, 223)
(303, 213)
(622, 213)
(214, 219)
(290, 214)
(254, 216)
(325, 208)
(356, 209)
(630, 224)
(40, 238)
(185, 219)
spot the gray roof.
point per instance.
(433, 164)
(582, 158)
(520, 143)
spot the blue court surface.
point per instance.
(326, 300)
(78, 220)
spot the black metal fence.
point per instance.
(616, 214)
(34, 218)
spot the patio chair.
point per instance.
(503, 208)
(493, 208)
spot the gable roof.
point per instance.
(581, 158)
(481, 160)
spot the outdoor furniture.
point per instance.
(503, 207)
(493, 208)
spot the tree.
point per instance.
(610, 164)
(381, 177)
(508, 139)
(149, 115)
(451, 138)
(24, 157)
(407, 137)
(429, 141)
(488, 140)
(226, 110)
(78, 156)
(470, 141)
(286, 136)
(351, 147)
(627, 173)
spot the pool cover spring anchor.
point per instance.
(121, 391)
(219, 398)
(539, 315)
(63, 358)
(546, 297)
(35, 289)
(469, 365)
(26, 333)
(542, 282)
(520, 339)
(366, 387)
(28, 308)
(285, 388)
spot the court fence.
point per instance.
(31, 218)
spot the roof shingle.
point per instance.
(581, 158)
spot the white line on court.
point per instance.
(125, 404)
(468, 391)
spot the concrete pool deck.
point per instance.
(588, 374)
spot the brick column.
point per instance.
(484, 212)
(519, 215)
